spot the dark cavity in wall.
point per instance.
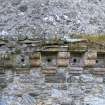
(23, 8)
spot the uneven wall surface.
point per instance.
(66, 83)
(50, 17)
(84, 89)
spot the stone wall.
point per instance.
(61, 84)
(62, 88)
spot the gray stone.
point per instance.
(73, 79)
(58, 78)
(87, 78)
(23, 8)
(51, 17)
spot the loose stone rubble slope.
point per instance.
(50, 17)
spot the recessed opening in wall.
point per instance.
(65, 42)
(74, 60)
(1, 45)
(97, 61)
(100, 60)
(49, 60)
(22, 60)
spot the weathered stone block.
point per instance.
(58, 78)
(63, 62)
(35, 56)
(91, 54)
(99, 79)
(90, 58)
(63, 55)
(73, 79)
(49, 71)
(91, 62)
(62, 86)
(98, 71)
(75, 70)
(87, 78)
(35, 62)
(22, 71)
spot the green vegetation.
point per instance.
(93, 38)
(94, 41)
(90, 37)
(78, 47)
